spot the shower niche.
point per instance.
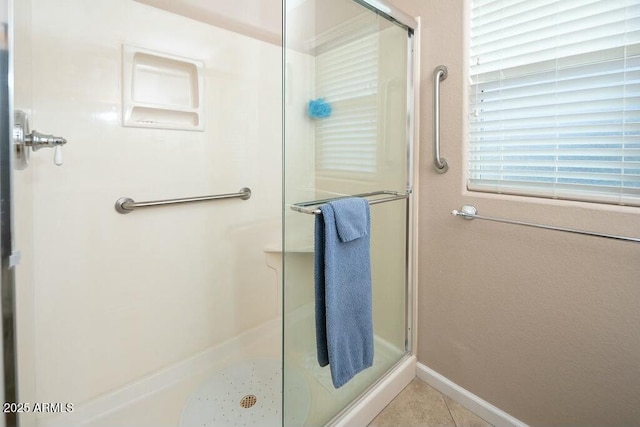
(161, 91)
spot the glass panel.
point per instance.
(345, 133)
(167, 316)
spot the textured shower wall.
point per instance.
(116, 297)
(542, 324)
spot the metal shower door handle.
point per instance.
(440, 163)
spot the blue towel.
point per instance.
(344, 324)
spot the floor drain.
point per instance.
(248, 401)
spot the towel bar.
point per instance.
(470, 212)
(393, 195)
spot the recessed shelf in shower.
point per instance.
(161, 90)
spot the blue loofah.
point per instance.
(319, 109)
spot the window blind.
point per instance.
(554, 108)
(347, 78)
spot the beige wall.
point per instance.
(542, 324)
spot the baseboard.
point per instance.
(366, 409)
(478, 406)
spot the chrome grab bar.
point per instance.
(125, 205)
(470, 212)
(440, 163)
(393, 195)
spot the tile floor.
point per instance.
(420, 405)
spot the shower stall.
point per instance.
(158, 257)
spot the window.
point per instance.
(554, 108)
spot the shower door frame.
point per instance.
(412, 26)
(8, 258)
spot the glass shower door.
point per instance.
(347, 93)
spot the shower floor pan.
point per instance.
(234, 384)
(247, 394)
